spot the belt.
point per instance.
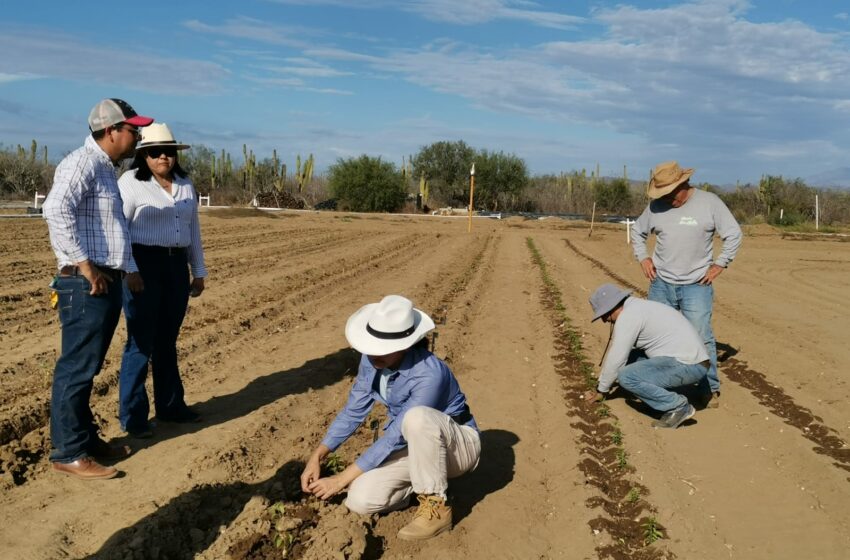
(463, 417)
(72, 270)
(157, 250)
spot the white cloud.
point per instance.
(465, 12)
(59, 56)
(8, 78)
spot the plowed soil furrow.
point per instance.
(249, 454)
(265, 361)
(630, 522)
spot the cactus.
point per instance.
(304, 175)
(625, 174)
(44, 154)
(423, 189)
(33, 151)
(212, 171)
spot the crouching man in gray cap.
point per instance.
(653, 348)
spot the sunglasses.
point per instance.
(156, 151)
(134, 131)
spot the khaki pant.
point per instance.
(437, 449)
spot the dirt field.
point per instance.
(264, 359)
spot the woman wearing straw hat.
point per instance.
(162, 216)
(430, 435)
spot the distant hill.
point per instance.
(838, 178)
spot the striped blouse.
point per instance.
(158, 218)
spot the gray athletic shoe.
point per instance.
(674, 418)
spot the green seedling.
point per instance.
(603, 411)
(651, 531)
(622, 458)
(633, 495)
(335, 464)
(617, 437)
(277, 509)
(284, 542)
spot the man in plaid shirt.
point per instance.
(89, 235)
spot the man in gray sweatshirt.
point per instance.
(682, 268)
(653, 348)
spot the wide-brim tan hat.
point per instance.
(393, 324)
(158, 134)
(666, 177)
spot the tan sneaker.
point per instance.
(432, 518)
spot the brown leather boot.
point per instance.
(432, 518)
(86, 468)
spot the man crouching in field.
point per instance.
(653, 348)
(430, 435)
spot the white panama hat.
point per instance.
(158, 134)
(393, 324)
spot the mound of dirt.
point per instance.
(280, 200)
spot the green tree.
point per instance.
(445, 166)
(500, 180)
(613, 196)
(367, 184)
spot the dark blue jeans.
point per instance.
(154, 317)
(88, 323)
(695, 302)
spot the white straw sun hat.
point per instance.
(393, 324)
(158, 134)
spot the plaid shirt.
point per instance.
(84, 212)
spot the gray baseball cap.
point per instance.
(109, 112)
(605, 299)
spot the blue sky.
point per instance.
(733, 88)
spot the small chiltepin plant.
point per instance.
(633, 495)
(603, 411)
(282, 540)
(622, 458)
(617, 435)
(651, 531)
(335, 464)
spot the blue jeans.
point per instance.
(154, 317)
(649, 379)
(695, 302)
(88, 323)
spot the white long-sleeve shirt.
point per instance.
(655, 328)
(83, 211)
(158, 218)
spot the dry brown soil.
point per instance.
(264, 360)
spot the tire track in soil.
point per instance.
(606, 465)
(774, 398)
(314, 529)
(23, 432)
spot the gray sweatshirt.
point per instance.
(683, 244)
(655, 328)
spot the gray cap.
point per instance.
(605, 299)
(109, 112)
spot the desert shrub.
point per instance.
(367, 184)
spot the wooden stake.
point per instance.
(592, 218)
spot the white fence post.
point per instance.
(201, 200)
(37, 198)
(817, 214)
(628, 223)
